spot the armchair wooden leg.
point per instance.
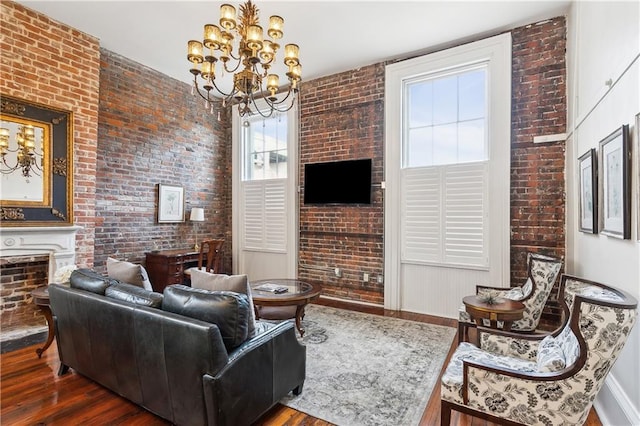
(445, 413)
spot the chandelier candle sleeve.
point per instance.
(239, 46)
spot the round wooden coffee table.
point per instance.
(506, 311)
(296, 296)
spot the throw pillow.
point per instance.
(128, 272)
(550, 355)
(226, 309)
(222, 282)
(134, 294)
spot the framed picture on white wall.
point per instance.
(588, 184)
(637, 150)
(615, 184)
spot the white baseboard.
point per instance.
(614, 406)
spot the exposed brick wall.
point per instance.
(537, 170)
(19, 276)
(151, 131)
(49, 63)
(342, 118)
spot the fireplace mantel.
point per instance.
(59, 242)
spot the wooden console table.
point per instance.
(166, 267)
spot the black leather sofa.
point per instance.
(179, 368)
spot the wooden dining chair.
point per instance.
(210, 257)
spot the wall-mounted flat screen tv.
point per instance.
(338, 182)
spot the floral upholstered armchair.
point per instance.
(536, 380)
(542, 272)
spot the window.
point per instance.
(265, 147)
(444, 167)
(445, 118)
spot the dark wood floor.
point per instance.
(31, 393)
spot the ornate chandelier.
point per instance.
(26, 154)
(253, 54)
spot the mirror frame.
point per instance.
(59, 211)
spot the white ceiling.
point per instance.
(333, 36)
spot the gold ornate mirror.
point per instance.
(36, 159)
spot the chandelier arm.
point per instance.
(195, 85)
(10, 169)
(277, 102)
(223, 93)
(35, 163)
(235, 68)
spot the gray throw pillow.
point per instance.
(128, 272)
(222, 282)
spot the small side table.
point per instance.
(506, 311)
(41, 299)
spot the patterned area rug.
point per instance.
(367, 369)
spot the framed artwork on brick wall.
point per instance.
(588, 184)
(170, 203)
(615, 184)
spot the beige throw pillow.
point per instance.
(222, 282)
(128, 272)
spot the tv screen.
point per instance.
(338, 182)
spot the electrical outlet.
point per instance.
(365, 277)
(380, 279)
(337, 272)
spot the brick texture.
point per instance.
(342, 118)
(52, 64)
(151, 130)
(537, 170)
(21, 275)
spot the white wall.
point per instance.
(604, 44)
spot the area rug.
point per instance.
(367, 369)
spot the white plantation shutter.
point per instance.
(275, 237)
(444, 215)
(421, 215)
(465, 227)
(265, 215)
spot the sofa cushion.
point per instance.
(128, 272)
(134, 294)
(228, 310)
(89, 280)
(222, 282)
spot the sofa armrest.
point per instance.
(259, 373)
